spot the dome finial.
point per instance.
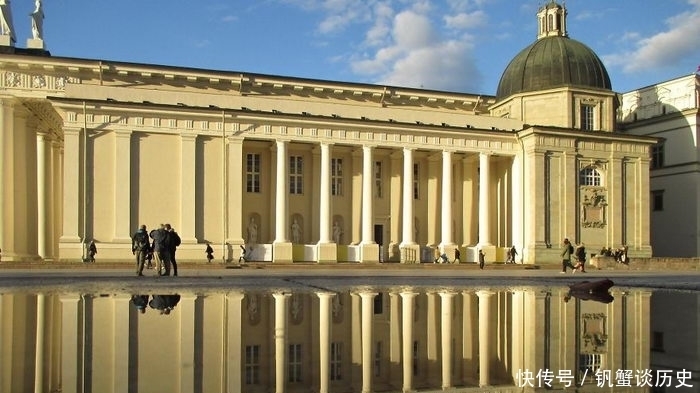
(551, 20)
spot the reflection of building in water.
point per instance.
(329, 342)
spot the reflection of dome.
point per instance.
(554, 60)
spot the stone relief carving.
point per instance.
(296, 309)
(594, 334)
(337, 309)
(593, 207)
(37, 81)
(253, 309)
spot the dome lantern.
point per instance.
(551, 20)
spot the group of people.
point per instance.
(160, 244)
(620, 254)
(578, 253)
(163, 303)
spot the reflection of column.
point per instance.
(72, 343)
(324, 340)
(407, 324)
(39, 351)
(186, 308)
(484, 230)
(233, 351)
(280, 340)
(446, 331)
(484, 335)
(367, 311)
(470, 334)
(122, 346)
(431, 339)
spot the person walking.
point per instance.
(580, 255)
(566, 252)
(511, 254)
(457, 254)
(140, 247)
(482, 259)
(210, 253)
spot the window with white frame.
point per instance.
(253, 172)
(590, 177)
(294, 359)
(416, 181)
(378, 179)
(337, 176)
(587, 117)
(296, 175)
(252, 364)
(337, 361)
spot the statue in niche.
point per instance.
(296, 232)
(337, 232)
(593, 208)
(252, 231)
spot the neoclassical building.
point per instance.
(310, 170)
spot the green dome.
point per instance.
(551, 62)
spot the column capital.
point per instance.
(485, 293)
(325, 295)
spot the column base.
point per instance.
(410, 253)
(35, 43)
(327, 253)
(282, 252)
(369, 253)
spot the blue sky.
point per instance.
(452, 45)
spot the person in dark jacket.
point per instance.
(140, 247)
(210, 252)
(173, 243)
(161, 248)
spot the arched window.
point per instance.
(589, 176)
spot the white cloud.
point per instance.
(465, 20)
(663, 49)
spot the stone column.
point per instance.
(72, 191)
(281, 300)
(410, 250)
(43, 185)
(122, 189)
(188, 192)
(484, 205)
(408, 299)
(517, 192)
(7, 177)
(446, 334)
(282, 247)
(326, 250)
(324, 342)
(369, 251)
(484, 337)
(447, 244)
(367, 339)
(234, 192)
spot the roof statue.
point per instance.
(37, 21)
(6, 27)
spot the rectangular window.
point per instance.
(378, 359)
(657, 156)
(657, 200)
(252, 364)
(294, 371)
(337, 176)
(416, 182)
(336, 361)
(378, 179)
(252, 172)
(587, 117)
(296, 172)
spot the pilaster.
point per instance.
(122, 189)
(188, 193)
